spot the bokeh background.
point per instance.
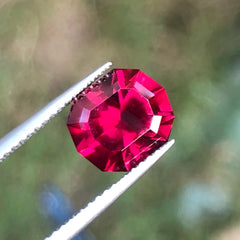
(191, 47)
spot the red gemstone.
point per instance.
(117, 123)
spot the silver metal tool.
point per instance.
(85, 216)
(24, 131)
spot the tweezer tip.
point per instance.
(109, 63)
(171, 142)
(167, 145)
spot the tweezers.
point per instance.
(15, 138)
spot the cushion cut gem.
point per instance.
(120, 121)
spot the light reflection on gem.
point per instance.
(84, 116)
(144, 91)
(156, 121)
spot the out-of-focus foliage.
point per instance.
(191, 47)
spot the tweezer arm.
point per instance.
(24, 131)
(93, 209)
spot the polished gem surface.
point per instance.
(117, 122)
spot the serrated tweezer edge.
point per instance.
(14, 139)
(85, 216)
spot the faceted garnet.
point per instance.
(120, 120)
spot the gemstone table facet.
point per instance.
(120, 121)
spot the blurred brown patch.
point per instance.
(232, 233)
(63, 37)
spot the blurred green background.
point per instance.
(191, 47)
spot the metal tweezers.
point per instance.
(15, 138)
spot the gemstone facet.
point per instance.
(120, 121)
